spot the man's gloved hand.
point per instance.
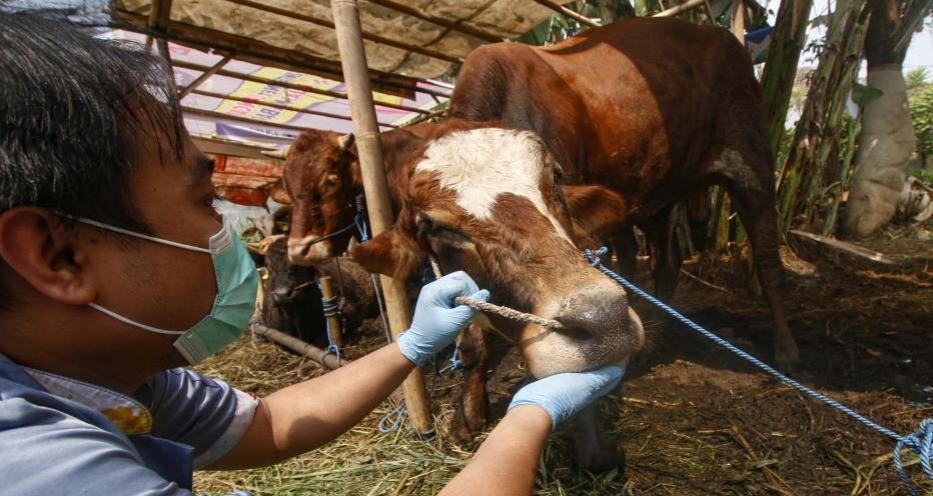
(562, 395)
(437, 318)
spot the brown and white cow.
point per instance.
(486, 199)
(644, 111)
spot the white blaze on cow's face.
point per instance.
(486, 201)
(482, 164)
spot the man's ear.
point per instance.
(594, 210)
(44, 252)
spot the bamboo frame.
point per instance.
(333, 321)
(369, 147)
(204, 75)
(453, 26)
(366, 36)
(248, 50)
(220, 115)
(294, 86)
(278, 106)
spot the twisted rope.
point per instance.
(919, 443)
(508, 313)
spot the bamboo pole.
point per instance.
(366, 36)
(560, 9)
(249, 50)
(276, 105)
(368, 145)
(321, 357)
(204, 75)
(293, 86)
(333, 320)
(453, 26)
(738, 20)
(688, 5)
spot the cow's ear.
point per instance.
(278, 192)
(391, 253)
(594, 210)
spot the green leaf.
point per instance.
(863, 95)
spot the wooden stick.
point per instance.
(204, 75)
(688, 5)
(294, 86)
(560, 9)
(367, 36)
(453, 26)
(368, 145)
(278, 106)
(327, 360)
(333, 321)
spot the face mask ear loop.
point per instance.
(125, 320)
(120, 230)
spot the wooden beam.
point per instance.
(249, 50)
(204, 75)
(327, 360)
(221, 115)
(231, 148)
(375, 186)
(560, 9)
(366, 36)
(294, 86)
(278, 106)
(680, 9)
(453, 26)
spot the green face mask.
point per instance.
(237, 282)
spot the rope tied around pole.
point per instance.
(331, 309)
(919, 443)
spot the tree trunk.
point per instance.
(777, 81)
(887, 139)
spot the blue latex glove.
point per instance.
(437, 319)
(562, 395)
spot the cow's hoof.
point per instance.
(602, 458)
(787, 358)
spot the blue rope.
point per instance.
(396, 415)
(330, 309)
(919, 443)
(456, 364)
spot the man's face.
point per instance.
(151, 283)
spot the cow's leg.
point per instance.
(665, 253)
(470, 412)
(595, 450)
(626, 249)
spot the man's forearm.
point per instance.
(305, 416)
(506, 462)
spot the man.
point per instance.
(115, 270)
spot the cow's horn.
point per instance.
(279, 154)
(345, 141)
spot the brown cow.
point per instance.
(487, 200)
(649, 111)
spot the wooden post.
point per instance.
(333, 320)
(368, 145)
(738, 20)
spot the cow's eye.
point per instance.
(331, 180)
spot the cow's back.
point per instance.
(629, 105)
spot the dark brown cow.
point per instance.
(322, 177)
(648, 111)
(485, 199)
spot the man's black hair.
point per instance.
(74, 110)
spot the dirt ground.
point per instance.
(696, 420)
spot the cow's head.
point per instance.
(319, 178)
(486, 200)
